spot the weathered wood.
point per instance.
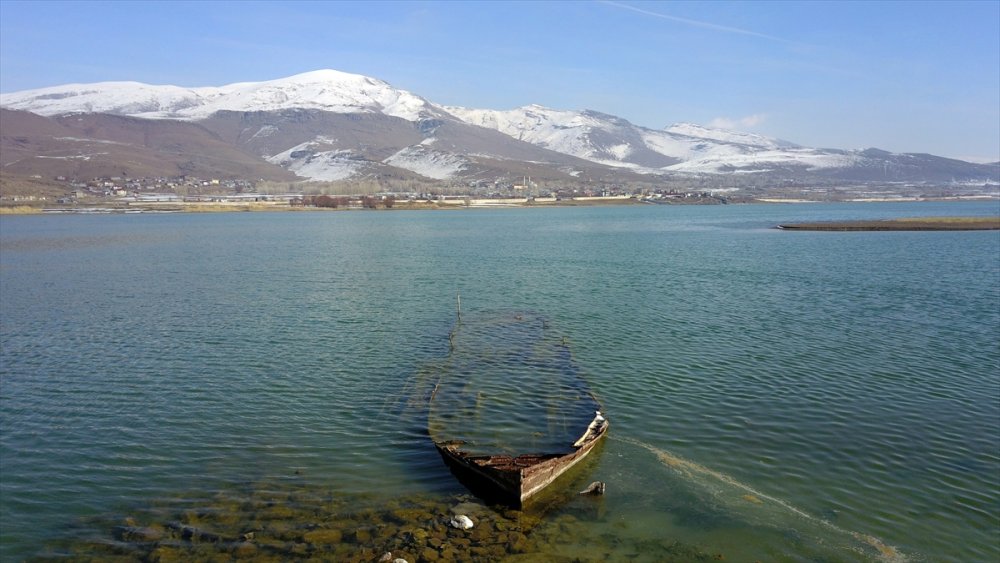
(516, 479)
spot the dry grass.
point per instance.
(19, 210)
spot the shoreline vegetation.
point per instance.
(904, 224)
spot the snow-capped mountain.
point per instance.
(597, 137)
(683, 147)
(727, 136)
(329, 125)
(327, 90)
(688, 149)
(324, 125)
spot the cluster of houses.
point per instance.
(185, 189)
(156, 187)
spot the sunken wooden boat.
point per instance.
(511, 413)
(513, 480)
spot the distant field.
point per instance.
(906, 224)
(19, 210)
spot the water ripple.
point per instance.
(854, 377)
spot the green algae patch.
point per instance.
(905, 224)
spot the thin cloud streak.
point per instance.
(701, 24)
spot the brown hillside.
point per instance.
(85, 146)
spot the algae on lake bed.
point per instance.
(280, 522)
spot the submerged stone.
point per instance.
(360, 530)
(362, 535)
(323, 536)
(244, 549)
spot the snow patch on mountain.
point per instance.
(264, 131)
(328, 166)
(123, 98)
(766, 161)
(557, 130)
(79, 140)
(728, 136)
(687, 148)
(621, 151)
(327, 90)
(308, 161)
(427, 162)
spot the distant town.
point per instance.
(194, 193)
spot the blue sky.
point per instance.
(901, 76)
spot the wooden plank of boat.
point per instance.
(513, 480)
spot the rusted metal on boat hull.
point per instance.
(514, 480)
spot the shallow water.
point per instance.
(773, 395)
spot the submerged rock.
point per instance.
(323, 536)
(407, 529)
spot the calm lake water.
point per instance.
(773, 395)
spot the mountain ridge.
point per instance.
(329, 125)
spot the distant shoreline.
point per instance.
(907, 224)
(448, 204)
(265, 206)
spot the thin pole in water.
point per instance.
(458, 296)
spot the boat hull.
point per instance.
(515, 480)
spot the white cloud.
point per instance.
(738, 123)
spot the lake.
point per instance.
(772, 395)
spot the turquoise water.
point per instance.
(773, 395)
